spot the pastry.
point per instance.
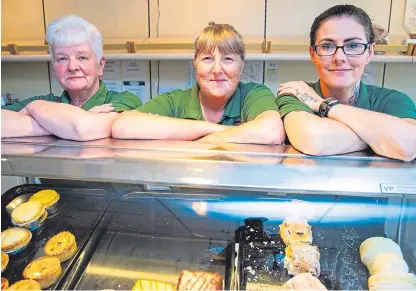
(152, 285)
(27, 212)
(4, 283)
(295, 231)
(392, 281)
(377, 245)
(25, 285)
(62, 245)
(4, 261)
(304, 281)
(302, 258)
(49, 198)
(387, 262)
(199, 280)
(45, 270)
(15, 239)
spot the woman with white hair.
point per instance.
(86, 109)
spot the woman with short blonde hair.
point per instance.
(219, 108)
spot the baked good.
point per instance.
(62, 245)
(25, 285)
(15, 239)
(387, 262)
(377, 245)
(302, 258)
(4, 261)
(199, 280)
(303, 281)
(295, 231)
(47, 197)
(27, 212)
(4, 283)
(153, 285)
(392, 281)
(45, 270)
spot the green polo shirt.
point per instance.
(121, 101)
(248, 101)
(371, 97)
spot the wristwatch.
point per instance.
(326, 105)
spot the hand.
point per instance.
(105, 108)
(303, 92)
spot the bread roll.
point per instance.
(377, 245)
(387, 262)
(392, 281)
(304, 281)
(302, 258)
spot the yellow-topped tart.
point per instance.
(45, 270)
(61, 245)
(153, 285)
(14, 238)
(4, 260)
(27, 212)
(25, 285)
(47, 197)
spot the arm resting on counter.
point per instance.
(137, 125)
(70, 122)
(266, 128)
(314, 135)
(18, 124)
(387, 135)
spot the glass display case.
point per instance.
(142, 212)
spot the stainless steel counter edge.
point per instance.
(267, 170)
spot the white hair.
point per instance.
(73, 30)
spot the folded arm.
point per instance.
(20, 124)
(70, 122)
(138, 125)
(387, 135)
(314, 135)
(266, 128)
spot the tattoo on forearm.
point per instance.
(355, 94)
(305, 97)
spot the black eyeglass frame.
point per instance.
(366, 46)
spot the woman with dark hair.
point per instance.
(339, 113)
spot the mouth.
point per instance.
(339, 70)
(75, 77)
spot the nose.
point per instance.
(217, 66)
(73, 65)
(339, 55)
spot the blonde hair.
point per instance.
(221, 36)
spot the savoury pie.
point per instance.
(45, 270)
(14, 238)
(62, 245)
(25, 285)
(47, 197)
(27, 212)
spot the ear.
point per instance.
(101, 66)
(371, 49)
(242, 67)
(312, 55)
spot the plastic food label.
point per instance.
(397, 188)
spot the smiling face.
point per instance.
(218, 74)
(340, 71)
(77, 68)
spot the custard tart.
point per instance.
(45, 270)
(27, 213)
(62, 245)
(49, 198)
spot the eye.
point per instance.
(83, 58)
(61, 59)
(327, 46)
(207, 59)
(353, 45)
(229, 59)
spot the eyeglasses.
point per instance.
(349, 49)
